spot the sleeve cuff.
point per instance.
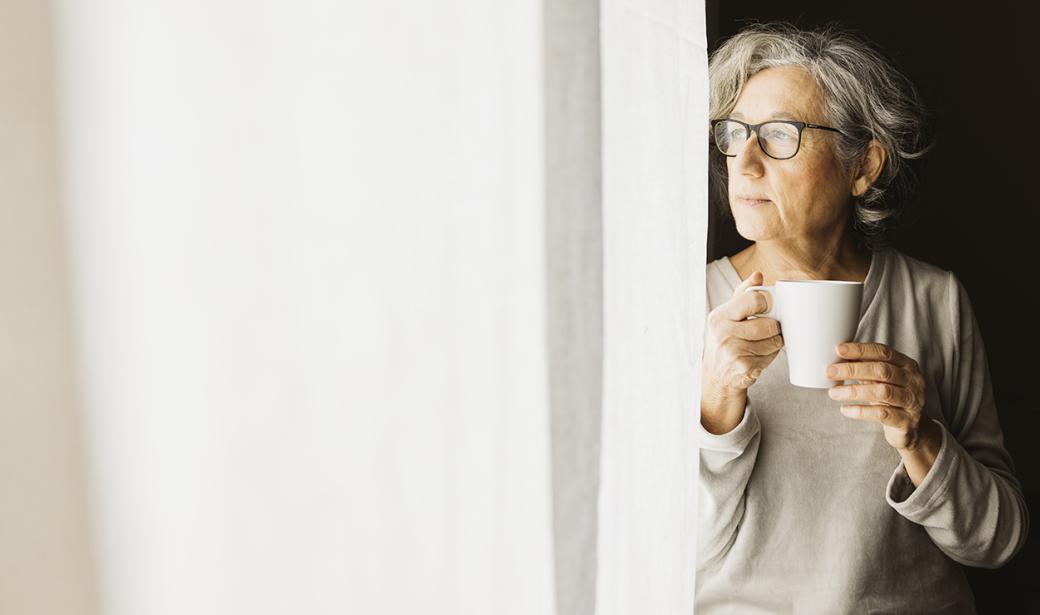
(915, 502)
(734, 440)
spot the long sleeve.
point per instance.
(970, 503)
(726, 462)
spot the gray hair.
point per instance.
(864, 95)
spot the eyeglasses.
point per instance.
(779, 139)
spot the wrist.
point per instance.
(928, 441)
(721, 409)
(919, 458)
(721, 394)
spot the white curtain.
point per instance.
(655, 227)
(322, 351)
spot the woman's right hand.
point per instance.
(736, 352)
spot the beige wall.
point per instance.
(44, 548)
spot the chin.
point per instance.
(753, 237)
(754, 230)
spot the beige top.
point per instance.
(802, 510)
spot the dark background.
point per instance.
(976, 209)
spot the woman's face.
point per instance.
(805, 197)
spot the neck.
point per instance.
(838, 259)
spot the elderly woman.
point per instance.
(869, 496)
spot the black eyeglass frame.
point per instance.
(749, 128)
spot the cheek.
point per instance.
(730, 176)
(812, 186)
(791, 189)
(825, 172)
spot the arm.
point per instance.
(726, 462)
(969, 501)
(736, 351)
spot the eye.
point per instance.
(779, 134)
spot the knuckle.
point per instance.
(886, 352)
(728, 349)
(760, 301)
(887, 392)
(724, 328)
(883, 371)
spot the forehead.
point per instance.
(783, 92)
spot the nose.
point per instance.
(750, 159)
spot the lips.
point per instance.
(750, 200)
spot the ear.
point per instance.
(870, 168)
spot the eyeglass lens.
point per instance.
(778, 139)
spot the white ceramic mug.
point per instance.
(815, 316)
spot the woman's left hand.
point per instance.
(893, 383)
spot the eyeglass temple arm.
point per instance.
(824, 128)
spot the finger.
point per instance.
(876, 392)
(744, 304)
(874, 371)
(872, 352)
(748, 377)
(886, 415)
(754, 329)
(755, 279)
(761, 348)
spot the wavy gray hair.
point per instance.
(865, 97)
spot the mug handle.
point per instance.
(772, 313)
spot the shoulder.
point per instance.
(715, 268)
(903, 262)
(924, 292)
(720, 280)
(916, 278)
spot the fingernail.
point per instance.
(843, 348)
(832, 371)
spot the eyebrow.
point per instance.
(779, 115)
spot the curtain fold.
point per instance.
(655, 228)
(44, 540)
(574, 287)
